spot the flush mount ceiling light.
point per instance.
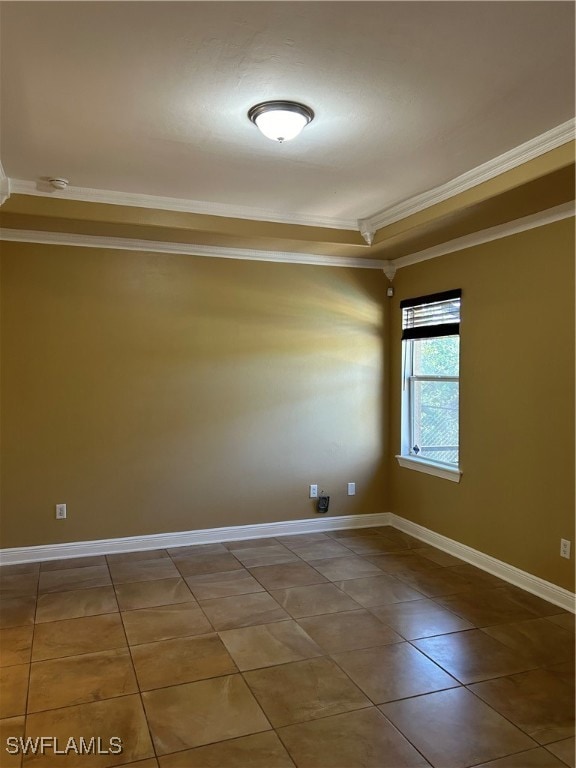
(280, 120)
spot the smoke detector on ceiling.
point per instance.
(58, 183)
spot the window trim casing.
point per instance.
(406, 458)
(430, 467)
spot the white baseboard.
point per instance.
(16, 555)
(533, 584)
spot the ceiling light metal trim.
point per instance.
(265, 107)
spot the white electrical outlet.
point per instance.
(313, 491)
(60, 511)
(565, 548)
(351, 489)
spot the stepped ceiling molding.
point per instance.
(434, 122)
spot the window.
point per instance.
(430, 383)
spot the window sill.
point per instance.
(430, 468)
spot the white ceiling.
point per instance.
(151, 97)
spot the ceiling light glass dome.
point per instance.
(280, 120)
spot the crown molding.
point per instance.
(186, 249)
(388, 266)
(111, 197)
(515, 157)
(540, 219)
(4, 186)
(367, 226)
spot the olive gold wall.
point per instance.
(515, 500)
(157, 393)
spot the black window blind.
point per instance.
(427, 317)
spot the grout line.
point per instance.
(138, 688)
(30, 662)
(325, 654)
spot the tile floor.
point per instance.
(355, 649)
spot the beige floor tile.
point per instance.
(540, 639)
(439, 581)
(485, 607)
(148, 594)
(304, 690)
(19, 568)
(261, 750)
(151, 763)
(564, 620)
(566, 670)
(348, 630)
(389, 532)
(56, 606)
(11, 728)
(269, 644)
(121, 717)
(194, 714)
(300, 539)
(371, 545)
(403, 562)
(353, 533)
(251, 543)
(536, 605)
(533, 758)
(206, 586)
(74, 578)
(390, 672)
(192, 565)
(243, 611)
(437, 556)
(15, 645)
(18, 585)
(132, 557)
(80, 679)
(72, 562)
(565, 750)
(182, 660)
(163, 622)
(296, 574)
(539, 702)
(320, 550)
(472, 656)
(378, 590)
(361, 739)
(143, 570)
(14, 687)
(17, 611)
(420, 618)
(453, 728)
(314, 600)
(71, 637)
(256, 556)
(198, 549)
(476, 577)
(340, 568)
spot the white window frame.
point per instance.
(407, 458)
